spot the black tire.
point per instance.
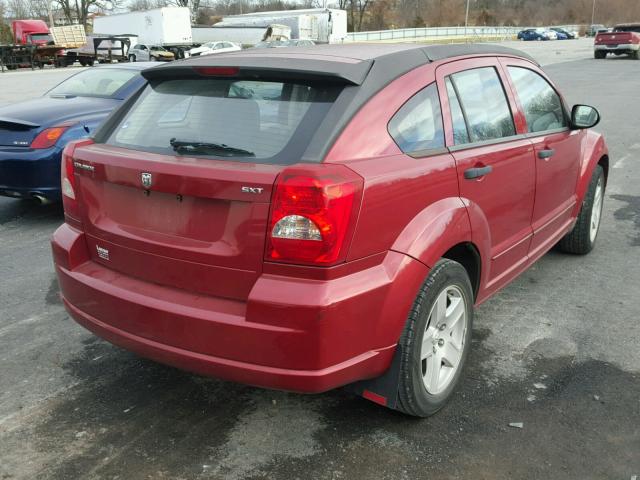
(635, 54)
(599, 54)
(414, 399)
(132, 58)
(578, 241)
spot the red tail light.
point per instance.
(217, 71)
(68, 181)
(48, 137)
(312, 214)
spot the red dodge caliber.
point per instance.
(310, 218)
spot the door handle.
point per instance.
(544, 154)
(477, 172)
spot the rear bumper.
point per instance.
(298, 335)
(26, 172)
(617, 48)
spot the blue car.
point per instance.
(564, 34)
(536, 34)
(33, 133)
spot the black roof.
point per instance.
(346, 63)
(361, 69)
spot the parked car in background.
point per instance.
(210, 48)
(537, 34)
(563, 34)
(149, 53)
(593, 30)
(624, 39)
(33, 133)
(431, 177)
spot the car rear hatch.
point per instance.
(159, 201)
(183, 223)
(17, 133)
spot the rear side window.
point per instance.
(417, 126)
(257, 121)
(484, 104)
(541, 104)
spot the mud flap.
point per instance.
(382, 390)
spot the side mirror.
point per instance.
(584, 116)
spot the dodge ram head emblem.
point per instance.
(146, 179)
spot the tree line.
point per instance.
(362, 14)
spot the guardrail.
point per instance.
(435, 33)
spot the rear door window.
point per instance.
(541, 104)
(261, 121)
(484, 104)
(417, 126)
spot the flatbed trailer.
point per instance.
(99, 48)
(35, 56)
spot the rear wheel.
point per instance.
(132, 58)
(583, 236)
(599, 54)
(436, 340)
(635, 54)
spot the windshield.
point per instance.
(267, 122)
(157, 49)
(40, 37)
(96, 82)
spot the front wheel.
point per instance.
(582, 238)
(436, 340)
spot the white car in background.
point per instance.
(210, 48)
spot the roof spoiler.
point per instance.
(269, 67)
(18, 123)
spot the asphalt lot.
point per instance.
(556, 350)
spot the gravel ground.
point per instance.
(556, 350)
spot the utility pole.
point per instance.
(50, 14)
(466, 20)
(593, 12)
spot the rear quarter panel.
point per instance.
(410, 205)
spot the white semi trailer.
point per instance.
(169, 27)
(322, 25)
(243, 35)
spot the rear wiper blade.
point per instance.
(187, 146)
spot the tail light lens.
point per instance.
(48, 137)
(68, 181)
(312, 214)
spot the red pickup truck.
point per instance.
(623, 40)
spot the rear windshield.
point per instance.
(243, 120)
(628, 28)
